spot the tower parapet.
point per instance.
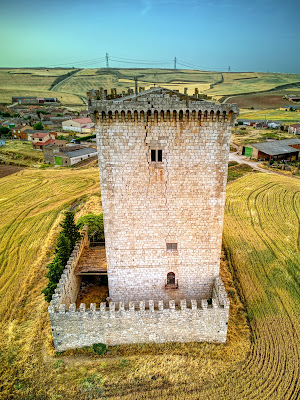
(157, 105)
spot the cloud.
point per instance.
(147, 7)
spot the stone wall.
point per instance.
(142, 322)
(148, 204)
(67, 289)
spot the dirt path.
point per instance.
(255, 165)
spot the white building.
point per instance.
(80, 125)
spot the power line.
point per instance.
(123, 60)
(94, 60)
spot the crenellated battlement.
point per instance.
(219, 300)
(138, 322)
(158, 105)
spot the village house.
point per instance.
(41, 138)
(287, 149)
(294, 129)
(80, 125)
(20, 132)
(48, 124)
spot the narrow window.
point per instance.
(159, 155)
(172, 246)
(153, 155)
(156, 155)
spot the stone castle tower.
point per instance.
(163, 167)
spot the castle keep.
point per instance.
(163, 168)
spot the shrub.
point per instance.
(91, 386)
(99, 348)
(232, 163)
(95, 224)
(38, 126)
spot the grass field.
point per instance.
(123, 79)
(20, 153)
(261, 238)
(235, 83)
(27, 82)
(33, 82)
(287, 117)
(274, 99)
(252, 135)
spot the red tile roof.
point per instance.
(50, 141)
(40, 134)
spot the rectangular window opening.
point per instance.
(153, 155)
(156, 155)
(172, 246)
(159, 155)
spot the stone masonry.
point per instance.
(150, 203)
(133, 322)
(163, 167)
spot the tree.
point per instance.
(64, 246)
(38, 126)
(4, 130)
(70, 230)
(55, 270)
(95, 224)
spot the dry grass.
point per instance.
(20, 153)
(251, 135)
(123, 79)
(33, 82)
(261, 238)
(287, 117)
(245, 82)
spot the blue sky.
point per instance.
(214, 34)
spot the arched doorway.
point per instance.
(171, 279)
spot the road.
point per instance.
(253, 164)
(63, 81)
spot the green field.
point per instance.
(27, 82)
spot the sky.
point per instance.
(253, 35)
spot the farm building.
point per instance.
(69, 158)
(80, 125)
(288, 107)
(34, 100)
(259, 123)
(294, 129)
(287, 149)
(52, 149)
